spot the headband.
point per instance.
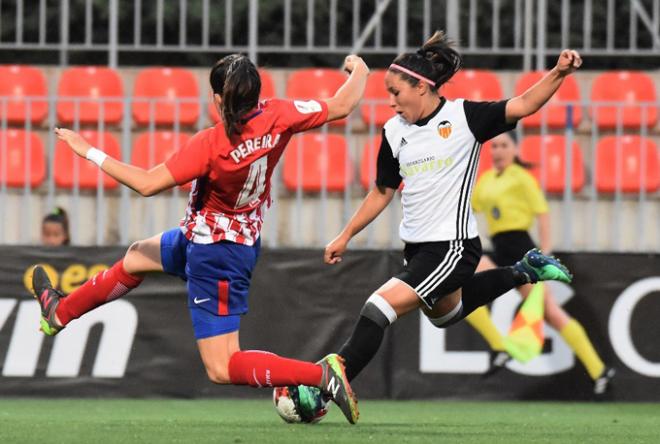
(412, 74)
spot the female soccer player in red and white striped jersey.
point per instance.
(216, 247)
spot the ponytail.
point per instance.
(437, 60)
(237, 81)
(527, 165)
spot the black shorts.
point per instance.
(435, 269)
(510, 246)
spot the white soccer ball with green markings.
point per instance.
(300, 404)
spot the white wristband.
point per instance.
(97, 156)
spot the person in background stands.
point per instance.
(55, 228)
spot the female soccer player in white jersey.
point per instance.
(216, 247)
(433, 144)
(511, 199)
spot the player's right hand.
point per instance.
(77, 143)
(352, 61)
(335, 249)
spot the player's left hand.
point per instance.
(569, 61)
(77, 143)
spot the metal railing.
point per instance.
(527, 29)
(587, 219)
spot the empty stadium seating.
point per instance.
(19, 82)
(320, 156)
(473, 84)
(66, 161)
(158, 92)
(630, 88)
(96, 85)
(315, 84)
(21, 153)
(548, 156)
(368, 162)
(267, 91)
(373, 113)
(555, 115)
(619, 164)
(152, 148)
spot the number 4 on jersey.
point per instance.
(255, 184)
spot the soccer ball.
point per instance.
(300, 404)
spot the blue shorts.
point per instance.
(217, 278)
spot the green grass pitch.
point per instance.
(255, 421)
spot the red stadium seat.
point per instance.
(317, 162)
(95, 84)
(267, 91)
(368, 163)
(151, 149)
(18, 82)
(485, 159)
(630, 88)
(15, 147)
(555, 115)
(627, 164)
(549, 152)
(376, 113)
(473, 84)
(66, 159)
(165, 88)
(315, 84)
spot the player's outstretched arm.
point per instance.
(372, 205)
(348, 96)
(536, 96)
(145, 182)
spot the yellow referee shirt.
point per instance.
(510, 200)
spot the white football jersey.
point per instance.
(437, 159)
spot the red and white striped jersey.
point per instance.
(231, 178)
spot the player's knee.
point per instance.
(218, 374)
(379, 311)
(131, 254)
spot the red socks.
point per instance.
(106, 286)
(264, 369)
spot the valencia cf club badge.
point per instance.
(444, 129)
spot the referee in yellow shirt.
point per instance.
(511, 199)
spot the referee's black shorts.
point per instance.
(436, 269)
(509, 247)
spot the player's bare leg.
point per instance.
(215, 353)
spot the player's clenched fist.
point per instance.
(335, 249)
(569, 61)
(352, 62)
